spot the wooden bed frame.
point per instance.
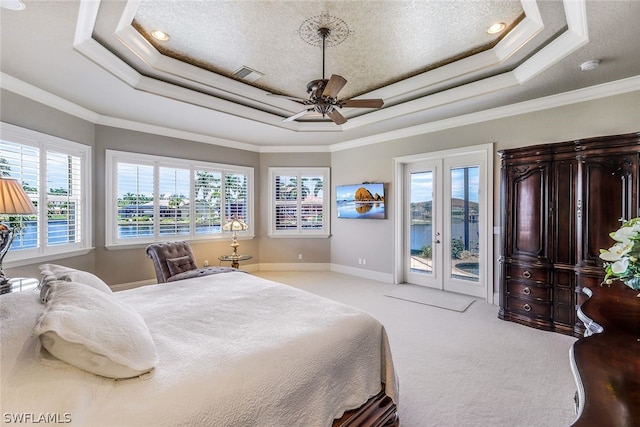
(379, 411)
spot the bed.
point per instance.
(229, 349)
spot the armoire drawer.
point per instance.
(528, 290)
(528, 273)
(529, 307)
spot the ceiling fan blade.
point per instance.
(337, 117)
(362, 103)
(297, 115)
(334, 85)
(291, 98)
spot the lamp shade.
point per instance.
(235, 225)
(13, 199)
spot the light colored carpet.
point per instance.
(432, 297)
(467, 369)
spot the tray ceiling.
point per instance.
(430, 60)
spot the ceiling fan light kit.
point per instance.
(323, 93)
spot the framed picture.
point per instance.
(361, 201)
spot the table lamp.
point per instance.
(13, 201)
(235, 225)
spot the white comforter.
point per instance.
(235, 350)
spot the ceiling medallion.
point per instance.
(338, 30)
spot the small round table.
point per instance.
(234, 259)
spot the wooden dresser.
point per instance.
(606, 364)
(558, 204)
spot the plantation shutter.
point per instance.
(64, 199)
(312, 202)
(174, 203)
(299, 204)
(21, 162)
(135, 199)
(161, 198)
(235, 196)
(207, 201)
(286, 203)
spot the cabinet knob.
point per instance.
(526, 274)
(526, 291)
(526, 307)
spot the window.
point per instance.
(151, 198)
(299, 202)
(55, 174)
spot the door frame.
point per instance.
(486, 199)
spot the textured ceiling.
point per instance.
(377, 42)
(398, 51)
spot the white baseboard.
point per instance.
(359, 272)
(367, 274)
(294, 266)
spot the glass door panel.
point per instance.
(421, 213)
(464, 230)
(422, 253)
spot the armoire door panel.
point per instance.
(530, 219)
(607, 196)
(564, 202)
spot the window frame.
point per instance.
(114, 157)
(300, 172)
(47, 143)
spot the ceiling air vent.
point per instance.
(246, 73)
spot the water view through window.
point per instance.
(464, 219)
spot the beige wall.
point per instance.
(23, 112)
(282, 250)
(374, 239)
(350, 240)
(131, 265)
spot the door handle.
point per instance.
(436, 241)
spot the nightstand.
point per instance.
(234, 259)
(18, 284)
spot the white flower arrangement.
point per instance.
(622, 260)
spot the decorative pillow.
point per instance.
(95, 331)
(51, 272)
(180, 265)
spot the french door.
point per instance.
(445, 223)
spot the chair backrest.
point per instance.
(164, 253)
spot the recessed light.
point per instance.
(496, 28)
(160, 35)
(590, 65)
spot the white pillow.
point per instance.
(95, 331)
(51, 272)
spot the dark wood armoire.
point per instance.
(559, 203)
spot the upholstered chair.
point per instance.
(170, 259)
(175, 261)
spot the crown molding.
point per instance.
(604, 90)
(34, 93)
(15, 85)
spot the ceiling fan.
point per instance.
(323, 94)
